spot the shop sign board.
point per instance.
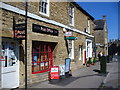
(54, 72)
(67, 64)
(19, 31)
(44, 30)
(68, 33)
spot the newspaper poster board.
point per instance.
(54, 72)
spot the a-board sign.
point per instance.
(67, 64)
(54, 72)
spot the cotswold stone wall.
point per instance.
(58, 12)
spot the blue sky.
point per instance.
(110, 9)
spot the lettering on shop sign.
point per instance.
(19, 31)
(44, 30)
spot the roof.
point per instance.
(83, 11)
(99, 24)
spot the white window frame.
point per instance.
(71, 49)
(71, 15)
(88, 48)
(80, 53)
(47, 8)
(88, 26)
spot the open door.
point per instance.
(10, 64)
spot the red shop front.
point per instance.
(42, 56)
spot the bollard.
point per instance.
(103, 64)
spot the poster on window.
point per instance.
(46, 64)
(42, 64)
(35, 60)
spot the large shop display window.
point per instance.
(42, 57)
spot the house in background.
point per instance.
(101, 36)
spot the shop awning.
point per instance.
(70, 38)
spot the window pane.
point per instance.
(45, 8)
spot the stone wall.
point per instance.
(59, 13)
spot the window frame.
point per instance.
(88, 46)
(80, 52)
(40, 53)
(71, 49)
(47, 8)
(71, 15)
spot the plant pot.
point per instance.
(88, 65)
(94, 64)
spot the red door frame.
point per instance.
(85, 57)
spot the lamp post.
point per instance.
(26, 9)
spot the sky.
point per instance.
(99, 9)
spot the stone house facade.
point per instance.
(55, 31)
(101, 36)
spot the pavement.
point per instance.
(88, 77)
(112, 80)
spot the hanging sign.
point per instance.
(68, 33)
(70, 38)
(19, 31)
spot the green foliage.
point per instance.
(94, 60)
(89, 61)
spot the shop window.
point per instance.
(44, 7)
(41, 57)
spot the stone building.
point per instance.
(101, 36)
(55, 31)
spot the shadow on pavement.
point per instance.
(65, 81)
(95, 70)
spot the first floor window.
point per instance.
(41, 57)
(71, 15)
(88, 28)
(44, 6)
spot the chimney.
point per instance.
(104, 17)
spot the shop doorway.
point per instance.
(10, 64)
